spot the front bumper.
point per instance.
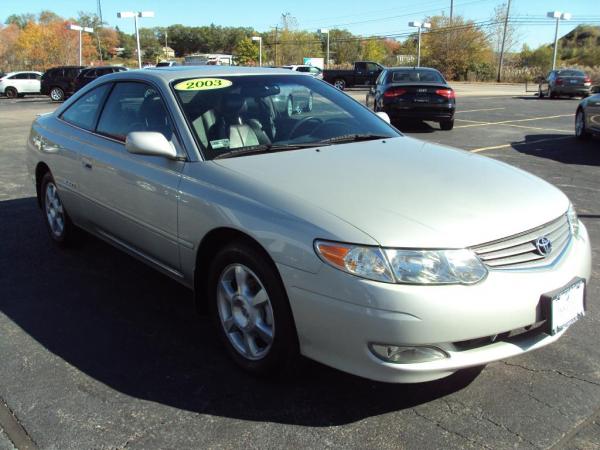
(338, 315)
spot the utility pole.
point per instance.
(276, 31)
(166, 43)
(503, 42)
(451, 10)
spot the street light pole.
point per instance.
(81, 30)
(558, 16)
(326, 31)
(259, 39)
(420, 26)
(135, 15)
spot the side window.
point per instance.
(361, 66)
(302, 69)
(90, 74)
(371, 67)
(314, 70)
(35, 76)
(84, 111)
(21, 76)
(134, 106)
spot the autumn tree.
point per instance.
(373, 50)
(455, 47)
(9, 35)
(246, 52)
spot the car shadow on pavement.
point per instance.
(136, 331)
(414, 126)
(562, 148)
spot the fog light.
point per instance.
(407, 355)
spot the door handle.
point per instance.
(86, 163)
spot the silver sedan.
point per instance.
(319, 230)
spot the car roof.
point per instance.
(168, 74)
(411, 68)
(22, 71)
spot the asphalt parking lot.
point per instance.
(99, 351)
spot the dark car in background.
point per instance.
(59, 82)
(568, 82)
(364, 73)
(91, 73)
(418, 93)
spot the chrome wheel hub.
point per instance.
(54, 211)
(245, 311)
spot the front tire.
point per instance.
(580, 132)
(447, 125)
(251, 311)
(57, 94)
(11, 92)
(59, 225)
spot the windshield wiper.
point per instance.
(268, 148)
(355, 137)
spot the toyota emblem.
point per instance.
(543, 246)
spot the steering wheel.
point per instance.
(302, 122)
(330, 123)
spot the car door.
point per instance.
(21, 82)
(360, 73)
(133, 198)
(373, 71)
(592, 113)
(35, 82)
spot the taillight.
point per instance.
(559, 81)
(394, 92)
(587, 79)
(448, 93)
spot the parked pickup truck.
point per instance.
(364, 73)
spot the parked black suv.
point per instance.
(58, 82)
(91, 73)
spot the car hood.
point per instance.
(403, 192)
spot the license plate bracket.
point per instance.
(564, 306)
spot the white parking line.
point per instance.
(481, 124)
(495, 147)
(477, 110)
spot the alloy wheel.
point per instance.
(245, 311)
(55, 213)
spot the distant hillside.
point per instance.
(581, 46)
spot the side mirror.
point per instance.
(384, 116)
(372, 89)
(149, 143)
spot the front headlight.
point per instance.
(573, 220)
(403, 266)
(436, 266)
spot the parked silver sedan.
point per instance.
(323, 232)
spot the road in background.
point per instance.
(100, 351)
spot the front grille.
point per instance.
(520, 252)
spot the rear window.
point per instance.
(571, 73)
(416, 75)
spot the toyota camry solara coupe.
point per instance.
(316, 230)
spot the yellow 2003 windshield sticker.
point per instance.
(202, 84)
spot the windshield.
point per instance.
(231, 114)
(571, 73)
(412, 75)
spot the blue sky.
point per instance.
(358, 16)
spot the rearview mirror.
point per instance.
(384, 116)
(149, 143)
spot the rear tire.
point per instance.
(340, 83)
(11, 92)
(540, 93)
(57, 94)
(447, 125)
(250, 310)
